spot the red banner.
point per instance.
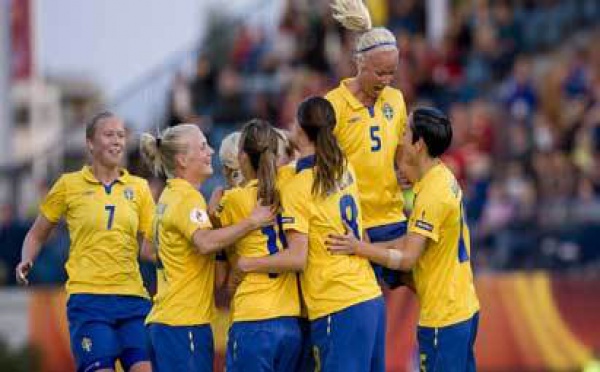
(20, 39)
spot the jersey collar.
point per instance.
(306, 162)
(353, 101)
(88, 175)
(348, 96)
(179, 182)
(427, 176)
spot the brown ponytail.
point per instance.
(260, 142)
(316, 117)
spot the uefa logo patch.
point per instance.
(198, 216)
(128, 193)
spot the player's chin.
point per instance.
(112, 160)
(207, 171)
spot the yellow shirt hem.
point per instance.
(314, 315)
(457, 319)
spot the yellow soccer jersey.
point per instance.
(186, 278)
(103, 223)
(442, 275)
(369, 136)
(329, 283)
(259, 296)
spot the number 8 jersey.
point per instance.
(330, 283)
(103, 223)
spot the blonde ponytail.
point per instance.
(354, 15)
(149, 152)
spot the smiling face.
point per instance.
(107, 142)
(376, 70)
(197, 160)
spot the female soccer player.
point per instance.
(437, 248)
(265, 335)
(179, 323)
(371, 117)
(105, 207)
(342, 297)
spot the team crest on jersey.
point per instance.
(198, 216)
(128, 193)
(86, 344)
(388, 111)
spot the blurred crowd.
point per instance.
(520, 80)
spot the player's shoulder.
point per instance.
(137, 182)
(393, 95)
(442, 187)
(285, 173)
(337, 97)
(234, 195)
(72, 177)
(185, 196)
(296, 177)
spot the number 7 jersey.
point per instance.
(103, 223)
(329, 283)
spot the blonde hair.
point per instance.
(228, 154)
(285, 149)
(354, 15)
(159, 152)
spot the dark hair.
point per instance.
(316, 117)
(260, 142)
(90, 128)
(434, 127)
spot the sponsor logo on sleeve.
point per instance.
(424, 225)
(287, 220)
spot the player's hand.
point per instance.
(262, 215)
(21, 272)
(236, 276)
(215, 199)
(243, 265)
(343, 244)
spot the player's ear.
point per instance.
(181, 160)
(89, 145)
(421, 146)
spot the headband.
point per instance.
(385, 43)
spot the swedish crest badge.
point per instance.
(388, 111)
